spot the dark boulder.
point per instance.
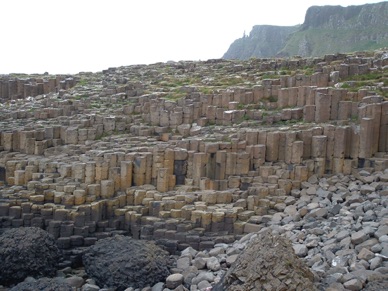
(268, 263)
(121, 262)
(46, 284)
(27, 251)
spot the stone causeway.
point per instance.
(184, 153)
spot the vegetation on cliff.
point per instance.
(326, 30)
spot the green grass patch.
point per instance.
(82, 82)
(173, 96)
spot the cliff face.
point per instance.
(338, 17)
(263, 41)
(326, 30)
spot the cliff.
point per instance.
(326, 30)
(263, 41)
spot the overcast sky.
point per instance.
(91, 35)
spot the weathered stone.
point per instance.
(359, 237)
(266, 246)
(365, 254)
(174, 281)
(300, 250)
(353, 284)
(213, 264)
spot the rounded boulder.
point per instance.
(27, 252)
(121, 262)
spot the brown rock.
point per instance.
(268, 263)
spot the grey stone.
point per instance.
(335, 287)
(291, 210)
(203, 276)
(384, 251)
(189, 274)
(232, 251)
(354, 198)
(375, 263)
(359, 237)
(158, 287)
(204, 285)
(366, 189)
(90, 287)
(174, 280)
(213, 264)
(382, 230)
(366, 244)
(75, 281)
(312, 241)
(183, 263)
(340, 261)
(376, 248)
(342, 234)
(216, 251)
(369, 216)
(383, 238)
(354, 285)
(382, 270)
(231, 259)
(365, 254)
(318, 213)
(189, 252)
(300, 250)
(335, 209)
(199, 263)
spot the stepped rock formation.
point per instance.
(193, 154)
(326, 30)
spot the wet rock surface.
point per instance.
(27, 251)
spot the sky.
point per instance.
(72, 36)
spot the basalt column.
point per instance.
(180, 166)
(319, 154)
(383, 142)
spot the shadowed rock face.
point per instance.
(268, 263)
(121, 262)
(27, 251)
